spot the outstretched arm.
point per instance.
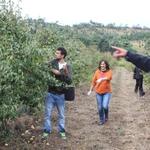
(142, 62)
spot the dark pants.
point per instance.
(139, 86)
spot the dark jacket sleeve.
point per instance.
(142, 62)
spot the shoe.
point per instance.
(101, 123)
(106, 119)
(63, 135)
(45, 135)
(142, 94)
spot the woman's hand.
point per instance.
(89, 92)
(99, 80)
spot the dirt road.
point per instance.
(128, 127)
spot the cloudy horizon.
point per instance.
(69, 12)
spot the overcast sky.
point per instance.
(130, 12)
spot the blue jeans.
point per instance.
(102, 104)
(51, 101)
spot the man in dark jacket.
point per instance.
(142, 62)
(55, 97)
(138, 76)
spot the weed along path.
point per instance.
(128, 127)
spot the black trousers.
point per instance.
(139, 86)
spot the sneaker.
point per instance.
(101, 123)
(63, 135)
(45, 135)
(142, 94)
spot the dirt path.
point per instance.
(128, 127)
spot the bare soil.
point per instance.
(128, 127)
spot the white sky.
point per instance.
(130, 12)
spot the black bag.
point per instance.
(69, 94)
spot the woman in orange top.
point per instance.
(102, 86)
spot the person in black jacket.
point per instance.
(138, 76)
(142, 62)
(55, 96)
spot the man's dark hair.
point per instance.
(63, 51)
(107, 64)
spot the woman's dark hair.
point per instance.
(106, 62)
(63, 51)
